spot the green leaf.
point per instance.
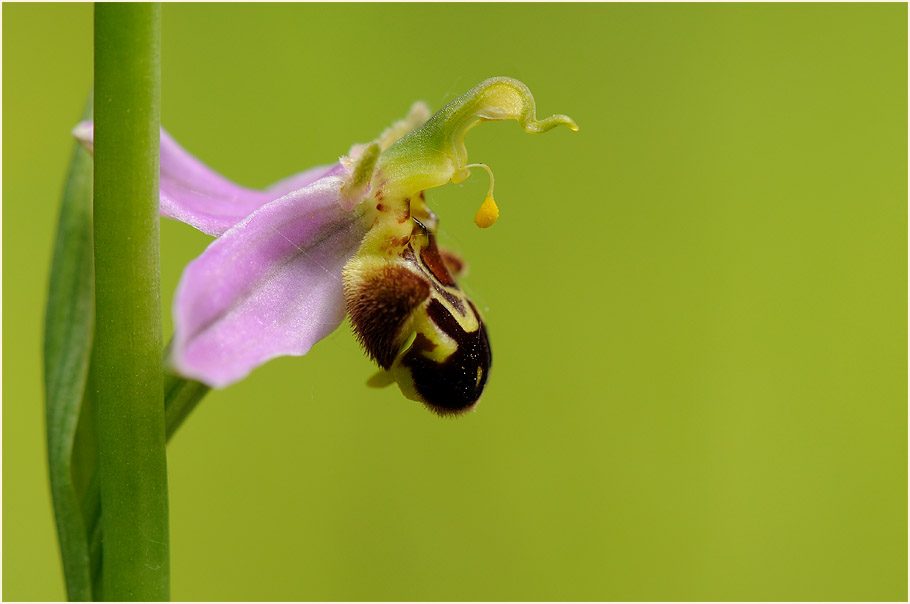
(68, 325)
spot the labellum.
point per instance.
(413, 319)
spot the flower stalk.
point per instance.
(126, 373)
(180, 398)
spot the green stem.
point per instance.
(126, 364)
(180, 398)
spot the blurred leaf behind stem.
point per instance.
(68, 325)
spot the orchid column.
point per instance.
(126, 375)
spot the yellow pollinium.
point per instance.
(487, 214)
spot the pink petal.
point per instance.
(270, 286)
(193, 193)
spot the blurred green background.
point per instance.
(697, 306)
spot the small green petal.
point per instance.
(359, 181)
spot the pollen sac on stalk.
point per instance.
(414, 321)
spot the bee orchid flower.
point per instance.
(355, 238)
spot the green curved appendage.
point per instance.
(435, 153)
